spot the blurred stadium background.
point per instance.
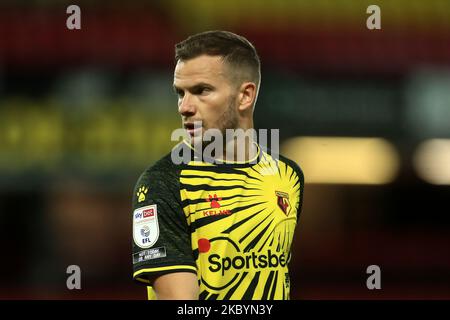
(365, 113)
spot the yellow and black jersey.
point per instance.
(232, 224)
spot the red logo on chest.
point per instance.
(214, 203)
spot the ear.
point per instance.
(247, 96)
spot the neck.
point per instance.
(241, 147)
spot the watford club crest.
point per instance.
(283, 202)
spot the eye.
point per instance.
(202, 90)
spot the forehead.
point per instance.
(210, 69)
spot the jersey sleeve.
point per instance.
(301, 181)
(161, 235)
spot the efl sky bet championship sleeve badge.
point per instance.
(145, 226)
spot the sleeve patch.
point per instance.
(149, 254)
(145, 226)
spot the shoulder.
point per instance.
(297, 169)
(160, 178)
(163, 168)
(289, 163)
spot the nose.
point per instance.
(186, 106)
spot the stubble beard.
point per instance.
(230, 120)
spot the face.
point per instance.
(205, 94)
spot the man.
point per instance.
(216, 228)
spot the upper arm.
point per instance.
(161, 235)
(176, 286)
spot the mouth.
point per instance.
(191, 128)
